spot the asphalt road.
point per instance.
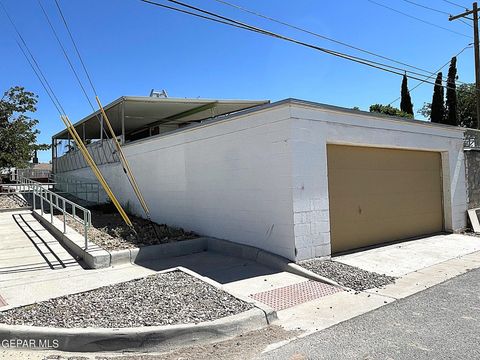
(442, 322)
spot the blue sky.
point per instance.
(131, 47)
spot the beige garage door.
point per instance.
(380, 195)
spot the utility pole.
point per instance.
(474, 12)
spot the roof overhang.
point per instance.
(143, 112)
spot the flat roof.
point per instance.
(145, 111)
(367, 113)
(172, 111)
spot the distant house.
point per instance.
(296, 178)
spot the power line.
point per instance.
(51, 96)
(235, 23)
(123, 160)
(77, 77)
(466, 23)
(66, 54)
(34, 64)
(244, 26)
(436, 10)
(76, 48)
(266, 32)
(418, 19)
(455, 4)
(427, 7)
(319, 35)
(433, 74)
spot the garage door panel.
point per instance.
(356, 208)
(373, 232)
(393, 159)
(385, 180)
(380, 195)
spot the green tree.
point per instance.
(406, 101)
(18, 135)
(437, 110)
(451, 101)
(389, 110)
(466, 106)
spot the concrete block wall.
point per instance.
(472, 164)
(230, 179)
(310, 195)
(260, 178)
(314, 129)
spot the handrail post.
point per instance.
(64, 218)
(33, 197)
(85, 227)
(51, 208)
(41, 199)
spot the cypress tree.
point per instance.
(406, 102)
(437, 114)
(451, 102)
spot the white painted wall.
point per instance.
(261, 178)
(230, 179)
(314, 128)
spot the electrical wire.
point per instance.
(433, 74)
(238, 24)
(427, 7)
(466, 23)
(77, 77)
(65, 54)
(32, 61)
(320, 36)
(419, 19)
(43, 80)
(123, 161)
(76, 47)
(455, 4)
(266, 32)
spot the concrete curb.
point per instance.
(266, 258)
(172, 249)
(95, 257)
(15, 209)
(149, 338)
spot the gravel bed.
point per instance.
(346, 275)
(161, 299)
(111, 233)
(11, 202)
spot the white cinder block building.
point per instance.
(296, 178)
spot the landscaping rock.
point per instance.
(346, 275)
(110, 232)
(162, 299)
(12, 202)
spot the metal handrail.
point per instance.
(471, 139)
(55, 201)
(76, 186)
(29, 173)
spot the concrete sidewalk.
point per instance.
(440, 323)
(418, 264)
(236, 275)
(34, 266)
(405, 257)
